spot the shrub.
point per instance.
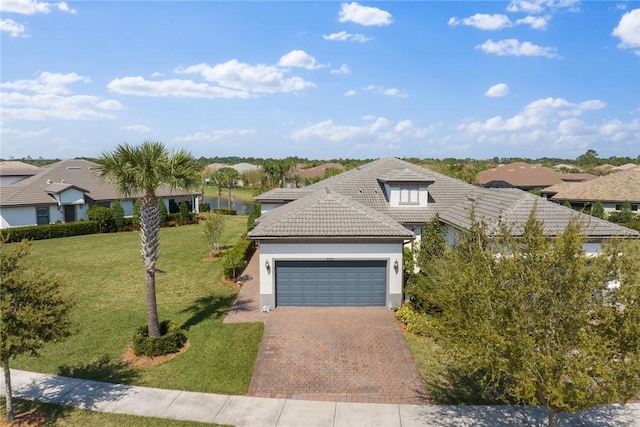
(137, 205)
(163, 211)
(50, 231)
(223, 211)
(417, 323)
(184, 212)
(236, 258)
(117, 214)
(204, 207)
(256, 211)
(102, 215)
(171, 340)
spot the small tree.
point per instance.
(598, 210)
(432, 245)
(33, 310)
(117, 213)
(526, 315)
(213, 226)
(184, 212)
(102, 215)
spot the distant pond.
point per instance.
(242, 207)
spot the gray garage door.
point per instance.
(330, 283)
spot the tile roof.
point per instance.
(452, 199)
(280, 195)
(325, 214)
(616, 187)
(16, 168)
(78, 173)
(525, 175)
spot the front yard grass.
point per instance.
(106, 278)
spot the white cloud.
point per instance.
(138, 128)
(350, 92)
(344, 69)
(47, 83)
(513, 47)
(386, 91)
(173, 87)
(364, 15)
(299, 58)
(30, 7)
(538, 114)
(247, 78)
(344, 36)
(539, 6)
(378, 129)
(12, 27)
(22, 134)
(213, 136)
(483, 21)
(498, 90)
(628, 31)
(156, 74)
(48, 97)
(535, 22)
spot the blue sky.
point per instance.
(432, 79)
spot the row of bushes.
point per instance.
(236, 258)
(50, 231)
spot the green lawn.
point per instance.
(44, 414)
(106, 278)
(242, 194)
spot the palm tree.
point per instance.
(143, 169)
(228, 177)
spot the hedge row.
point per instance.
(223, 211)
(50, 231)
(236, 259)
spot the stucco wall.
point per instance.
(273, 252)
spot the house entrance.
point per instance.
(69, 213)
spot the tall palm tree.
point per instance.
(228, 176)
(143, 169)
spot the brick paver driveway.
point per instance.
(354, 354)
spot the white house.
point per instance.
(63, 191)
(340, 241)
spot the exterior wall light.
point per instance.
(267, 266)
(395, 266)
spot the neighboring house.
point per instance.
(316, 171)
(12, 171)
(340, 241)
(526, 177)
(63, 191)
(611, 190)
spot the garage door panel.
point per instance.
(331, 283)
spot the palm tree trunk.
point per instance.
(7, 390)
(229, 199)
(149, 235)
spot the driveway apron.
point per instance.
(349, 354)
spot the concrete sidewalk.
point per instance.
(261, 412)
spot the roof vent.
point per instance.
(73, 168)
(48, 181)
(360, 190)
(62, 180)
(471, 198)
